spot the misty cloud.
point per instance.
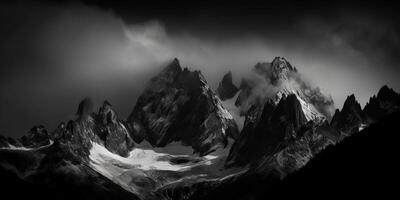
(52, 57)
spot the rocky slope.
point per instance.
(37, 136)
(283, 127)
(178, 105)
(226, 89)
(54, 161)
(280, 137)
(352, 118)
(53, 172)
(103, 128)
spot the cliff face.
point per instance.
(179, 105)
(279, 138)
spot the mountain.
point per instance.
(277, 79)
(385, 102)
(280, 137)
(78, 135)
(58, 164)
(37, 136)
(350, 119)
(178, 105)
(264, 131)
(182, 142)
(53, 172)
(226, 89)
(282, 127)
(103, 128)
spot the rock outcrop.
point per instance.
(226, 89)
(350, 118)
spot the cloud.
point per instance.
(54, 56)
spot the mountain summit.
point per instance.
(226, 89)
(178, 105)
(277, 79)
(385, 102)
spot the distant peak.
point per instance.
(386, 91)
(351, 99)
(107, 114)
(350, 102)
(227, 77)
(173, 66)
(85, 107)
(278, 69)
(226, 88)
(106, 103)
(176, 61)
(280, 63)
(385, 87)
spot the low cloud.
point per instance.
(52, 57)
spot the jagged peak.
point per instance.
(105, 107)
(337, 111)
(85, 107)
(227, 77)
(226, 89)
(351, 101)
(173, 67)
(106, 103)
(278, 69)
(385, 91)
(107, 113)
(280, 63)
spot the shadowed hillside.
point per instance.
(361, 165)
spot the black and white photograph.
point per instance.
(199, 100)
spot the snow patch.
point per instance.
(362, 127)
(12, 147)
(145, 159)
(229, 104)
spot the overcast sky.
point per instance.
(52, 55)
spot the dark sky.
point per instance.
(52, 55)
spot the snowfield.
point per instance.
(145, 164)
(145, 159)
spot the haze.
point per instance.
(53, 56)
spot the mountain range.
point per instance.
(183, 140)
